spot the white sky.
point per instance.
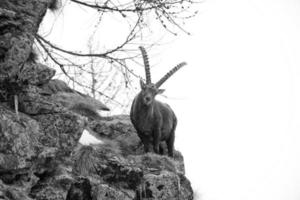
(238, 99)
(239, 126)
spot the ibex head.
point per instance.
(149, 89)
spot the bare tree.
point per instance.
(109, 70)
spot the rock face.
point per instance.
(40, 156)
(19, 23)
(126, 171)
(43, 160)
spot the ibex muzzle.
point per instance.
(149, 92)
(154, 121)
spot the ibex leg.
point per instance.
(162, 148)
(146, 142)
(170, 144)
(156, 141)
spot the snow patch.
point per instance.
(87, 139)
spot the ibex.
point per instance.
(154, 121)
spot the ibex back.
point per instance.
(154, 121)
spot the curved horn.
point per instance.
(146, 64)
(169, 74)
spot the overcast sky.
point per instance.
(238, 98)
(239, 125)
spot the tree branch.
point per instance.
(114, 9)
(67, 75)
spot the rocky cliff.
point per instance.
(40, 156)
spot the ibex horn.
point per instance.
(146, 64)
(169, 74)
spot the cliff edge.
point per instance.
(40, 154)
(42, 159)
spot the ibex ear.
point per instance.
(143, 85)
(160, 91)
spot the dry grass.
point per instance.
(87, 157)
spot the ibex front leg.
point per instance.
(156, 140)
(170, 144)
(146, 142)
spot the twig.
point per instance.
(71, 78)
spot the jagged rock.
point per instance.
(19, 22)
(186, 190)
(80, 190)
(73, 100)
(32, 148)
(104, 161)
(70, 97)
(12, 192)
(98, 172)
(107, 192)
(119, 129)
(61, 130)
(55, 86)
(18, 140)
(166, 185)
(35, 73)
(143, 176)
(53, 185)
(33, 103)
(81, 104)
